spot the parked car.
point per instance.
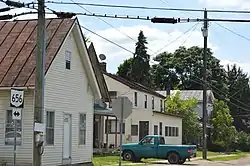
(9, 138)
(153, 146)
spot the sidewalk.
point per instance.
(194, 159)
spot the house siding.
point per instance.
(66, 91)
(24, 151)
(140, 113)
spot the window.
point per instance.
(113, 96)
(160, 128)
(68, 59)
(161, 106)
(171, 131)
(155, 129)
(50, 127)
(134, 130)
(82, 129)
(9, 130)
(146, 101)
(153, 102)
(135, 98)
(111, 126)
(148, 140)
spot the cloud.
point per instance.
(243, 4)
(156, 38)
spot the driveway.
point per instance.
(239, 162)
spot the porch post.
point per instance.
(115, 132)
(107, 129)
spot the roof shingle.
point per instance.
(18, 49)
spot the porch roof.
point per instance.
(99, 110)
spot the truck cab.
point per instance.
(153, 146)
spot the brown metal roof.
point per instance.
(134, 85)
(18, 49)
(99, 76)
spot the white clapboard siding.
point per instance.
(66, 91)
(24, 152)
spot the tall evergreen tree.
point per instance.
(138, 68)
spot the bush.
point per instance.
(243, 141)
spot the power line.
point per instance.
(150, 8)
(242, 36)
(172, 41)
(107, 40)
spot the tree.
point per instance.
(138, 68)
(191, 130)
(124, 70)
(239, 95)
(183, 69)
(223, 133)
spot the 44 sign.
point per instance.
(16, 98)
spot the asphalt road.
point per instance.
(240, 162)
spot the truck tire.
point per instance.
(182, 161)
(173, 158)
(128, 156)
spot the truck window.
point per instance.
(148, 140)
(161, 140)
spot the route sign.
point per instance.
(16, 98)
(16, 113)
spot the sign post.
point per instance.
(16, 102)
(122, 108)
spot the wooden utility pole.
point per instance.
(39, 83)
(205, 35)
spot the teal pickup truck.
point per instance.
(153, 146)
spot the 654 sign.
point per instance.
(16, 98)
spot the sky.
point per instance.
(227, 46)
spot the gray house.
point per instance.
(198, 94)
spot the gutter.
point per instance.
(21, 88)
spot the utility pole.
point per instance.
(205, 35)
(39, 83)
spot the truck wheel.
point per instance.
(173, 158)
(182, 161)
(128, 156)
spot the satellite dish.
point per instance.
(102, 57)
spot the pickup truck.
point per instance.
(153, 146)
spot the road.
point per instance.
(240, 162)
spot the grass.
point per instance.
(232, 156)
(212, 156)
(114, 160)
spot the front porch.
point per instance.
(99, 145)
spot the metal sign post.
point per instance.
(122, 108)
(16, 102)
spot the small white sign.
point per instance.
(16, 98)
(17, 113)
(39, 127)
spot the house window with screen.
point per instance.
(134, 130)
(50, 127)
(135, 99)
(82, 129)
(68, 59)
(153, 103)
(146, 101)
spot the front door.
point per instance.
(143, 129)
(67, 135)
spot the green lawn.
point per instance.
(114, 160)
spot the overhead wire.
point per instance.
(151, 8)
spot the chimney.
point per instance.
(103, 66)
(168, 88)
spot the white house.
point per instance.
(70, 90)
(148, 116)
